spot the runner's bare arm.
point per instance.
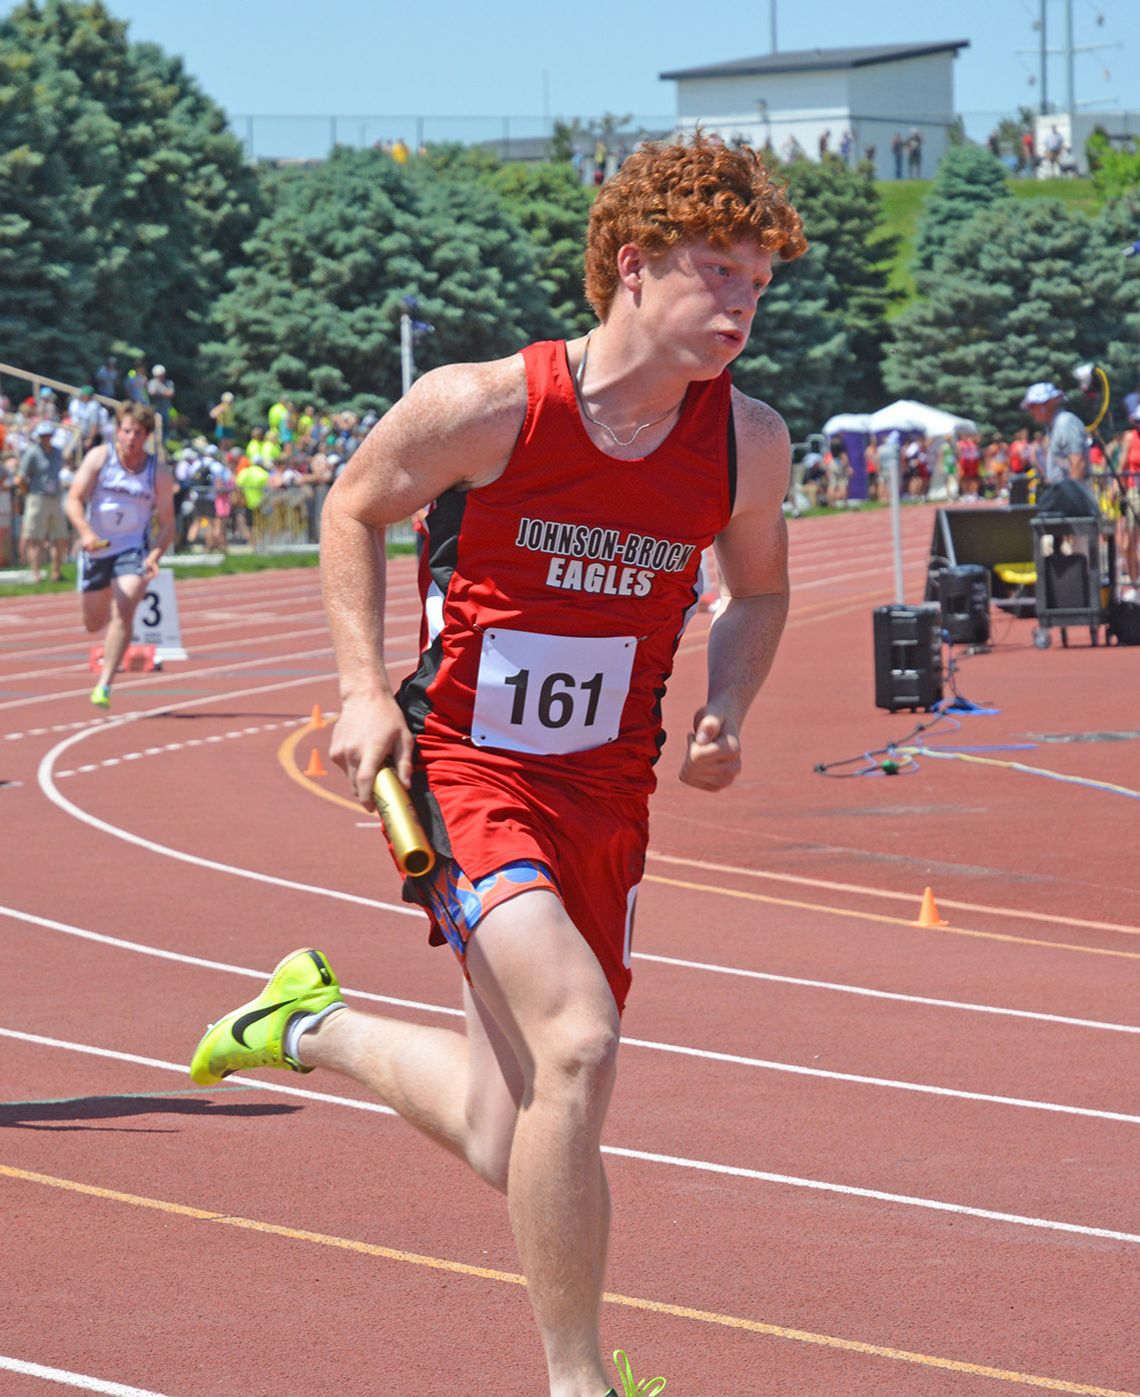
(752, 554)
(75, 506)
(455, 429)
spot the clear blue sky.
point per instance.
(495, 58)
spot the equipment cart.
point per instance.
(1075, 561)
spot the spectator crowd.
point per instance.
(263, 484)
(235, 482)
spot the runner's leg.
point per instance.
(461, 1090)
(546, 989)
(126, 593)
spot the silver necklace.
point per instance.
(589, 416)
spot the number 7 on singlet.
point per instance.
(550, 694)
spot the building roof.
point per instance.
(813, 60)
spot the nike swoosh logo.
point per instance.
(248, 1020)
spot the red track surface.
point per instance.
(790, 1216)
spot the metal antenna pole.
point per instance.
(1044, 62)
(1070, 93)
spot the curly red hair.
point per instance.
(669, 193)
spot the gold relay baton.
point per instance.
(414, 854)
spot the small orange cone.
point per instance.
(316, 718)
(316, 766)
(929, 915)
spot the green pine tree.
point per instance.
(1025, 302)
(969, 179)
(797, 354)
(842, 215)
(316, 308)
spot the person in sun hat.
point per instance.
(1066, 454)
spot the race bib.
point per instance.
(122, 516)
(550, 694)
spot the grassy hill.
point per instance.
(902, 206)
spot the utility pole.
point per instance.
(1070, 91)
(1044, 60)
(772, 16)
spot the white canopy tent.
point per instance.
(908, 416)
(902, 416)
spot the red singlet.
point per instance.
(554, 599)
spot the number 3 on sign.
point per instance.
(550, 694)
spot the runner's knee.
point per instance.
(577, 1056)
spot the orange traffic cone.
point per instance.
(929, 915)
(316, 766)
(316, 718)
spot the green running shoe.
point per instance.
(254, 1035)
(101, 696)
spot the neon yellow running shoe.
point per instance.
(101, 696)
(254, 1035)
(648, 1387)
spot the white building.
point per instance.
(873, 94)
(1061, 139)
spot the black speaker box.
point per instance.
(964, 599)
(908, 656)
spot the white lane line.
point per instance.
(61, 1375)
(49, 788)
(881, 994)
(177, 747)
(184, 676)
(645, 1156)
(802, 882)
(41, 1041)
(138, 948)
(703, 1054)
(878, 1195)
(857, 1079)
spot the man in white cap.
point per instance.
(1067, 448)
(161, 391)
(38, 478)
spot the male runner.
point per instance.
(116, 491)
(575, 486)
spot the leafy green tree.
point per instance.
(118, 142)
(1115, 169)
(799, 347)
(1026, 301)
(45, 261)
(316, 308)
(551, 204)
(969, 178)
(842, 215)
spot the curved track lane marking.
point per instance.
(885, 920)
(862, 889)
(51, 790)
(287, 748)
(705, 966)
(634, 1302)
(703, 1054)
(701, 1166)
(82, 1380)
